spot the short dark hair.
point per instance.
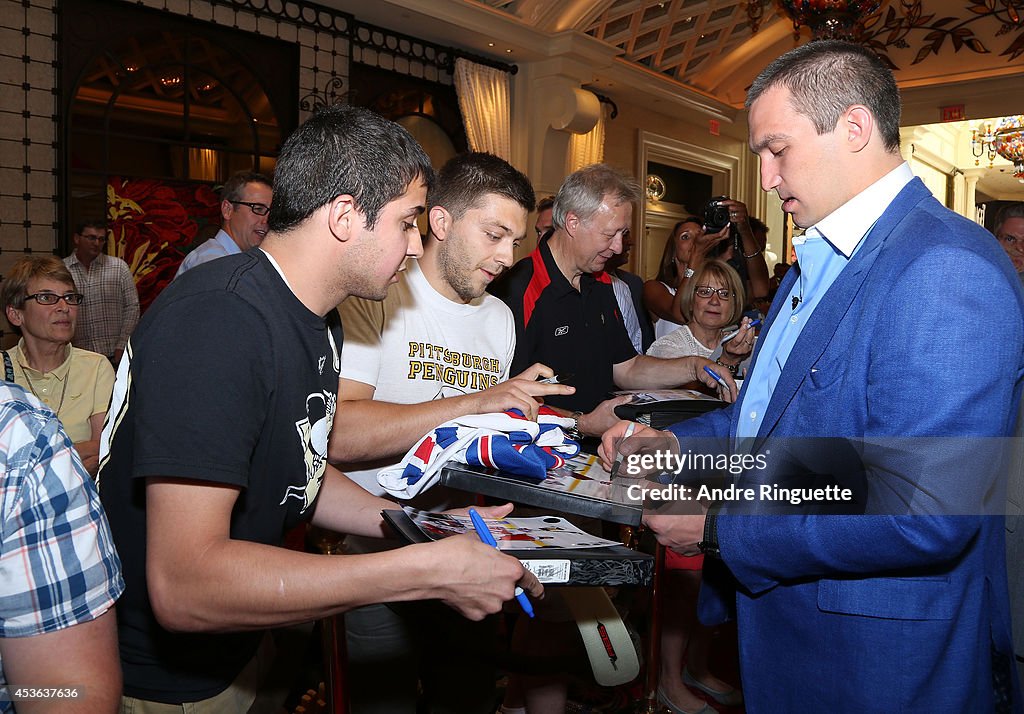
(12, 291)
(234, 187)
(583, 191)
(827, 77)
(546, 203)
(1009, 210)
(344, 150)
(92, 223)
(466, 178)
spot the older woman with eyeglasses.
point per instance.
(710, 301)
(40, 302)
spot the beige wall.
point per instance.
(623, 149)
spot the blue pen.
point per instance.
(728, 337)
(484, 534)
(718, 378)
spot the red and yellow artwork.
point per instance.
(154, 223)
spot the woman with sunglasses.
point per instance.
(40, 302)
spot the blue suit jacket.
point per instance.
(913, 357)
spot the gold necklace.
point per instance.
(32, 388)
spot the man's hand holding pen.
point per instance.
(492, 579)
(677, 528)
(625, 439)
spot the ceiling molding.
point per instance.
(637, 82)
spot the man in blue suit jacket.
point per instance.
(880, 340)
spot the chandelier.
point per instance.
(1006, 139)
(830, 19)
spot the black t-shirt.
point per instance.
(577, 332)
(231, 380)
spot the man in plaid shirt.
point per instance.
(111, 308)
(59, 572)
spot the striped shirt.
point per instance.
(111, 308)
(58, 565)
(625, 299)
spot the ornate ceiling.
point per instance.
(694, 59)
(711, 46)
(676, 37)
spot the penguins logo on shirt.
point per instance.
(313, 432)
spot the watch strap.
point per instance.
(574, 432)
(709, 546)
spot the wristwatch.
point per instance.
(574, 432)
(709, 546)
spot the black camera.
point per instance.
(716, 214)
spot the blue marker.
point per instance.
(728, 337)
(718, 378)
(485, 535)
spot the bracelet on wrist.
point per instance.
(733, 368)
(753, 255)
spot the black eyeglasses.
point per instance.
(52, 298)
(705, 291)
(259, 209)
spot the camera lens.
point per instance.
(716, 214)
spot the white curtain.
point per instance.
(484, 98)
(586, 149)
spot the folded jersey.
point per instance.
(502, 440)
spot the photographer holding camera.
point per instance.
(724, 232)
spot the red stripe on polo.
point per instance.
(539, 282)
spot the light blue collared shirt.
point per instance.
(217, 247)
(822, 252)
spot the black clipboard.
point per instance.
(520, 489)
(611, 566)
(666, 412)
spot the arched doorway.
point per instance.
(158, 114)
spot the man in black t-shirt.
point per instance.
(565, 310)
(216, 441)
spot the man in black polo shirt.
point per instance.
(565, 310)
